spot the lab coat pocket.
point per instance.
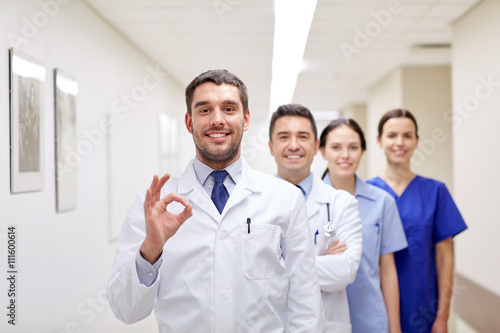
(261, 250)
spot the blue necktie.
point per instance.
(302, 190)
(219, 192)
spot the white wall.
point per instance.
(383, 96)
(64, 259)
(476, 118)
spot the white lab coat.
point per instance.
(335, 272)
(217, 277)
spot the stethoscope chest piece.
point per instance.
(329, 230)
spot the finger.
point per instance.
(152, 187)
(164, 179)
(148, 205)
(335, 242)
(171, 197)
(160, 184)
(186, 213)
(147, 201)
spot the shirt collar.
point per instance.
(362, 188)
(202, 170)
(305, 184)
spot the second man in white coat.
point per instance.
(333, 214)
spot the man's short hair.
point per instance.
(217, 76)
(292, 110)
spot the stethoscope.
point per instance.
(328, 230)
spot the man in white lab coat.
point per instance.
(333, 214)
(212, 253)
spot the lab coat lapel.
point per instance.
(191, 189)
(316, 198)
(248, 184)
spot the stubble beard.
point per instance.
(218, 156)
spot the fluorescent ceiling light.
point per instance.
(292, 21)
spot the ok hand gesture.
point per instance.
(160, 223)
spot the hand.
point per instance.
(160, 223)
(440, 325)
(336, 248)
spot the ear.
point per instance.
(246, 120)
(189, 123)
(379, 142)
(271, 148)
(316, 146)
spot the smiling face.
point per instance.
(398, 140)
(217, 123)
(342, 151)
(293, 146)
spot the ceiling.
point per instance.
(351, 43)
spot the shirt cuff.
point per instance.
(146, 272)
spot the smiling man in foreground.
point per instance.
(221, 248)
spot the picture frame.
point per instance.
(65, 92)
(27, 78)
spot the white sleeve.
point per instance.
(336, 272)
(304, 305)
(129, 299)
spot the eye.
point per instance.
(335, 147)
(354, 148)
(229, 109)
(204, 110)
(282, 137)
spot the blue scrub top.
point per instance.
(382, 233)
(429, 216)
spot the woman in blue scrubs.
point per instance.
(374, 295)
(430, 220)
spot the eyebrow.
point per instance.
(347, 144)
(288, 132)
(226, 102)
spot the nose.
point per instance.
(344, 153)
(217, 118)
(293, 143)
(399, 140)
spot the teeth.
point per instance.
(217, 135)
(293, 156)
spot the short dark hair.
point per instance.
(217, 76)
(292, 110)
(396, 113)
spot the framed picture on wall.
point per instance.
(27, 77)
(65, 91)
